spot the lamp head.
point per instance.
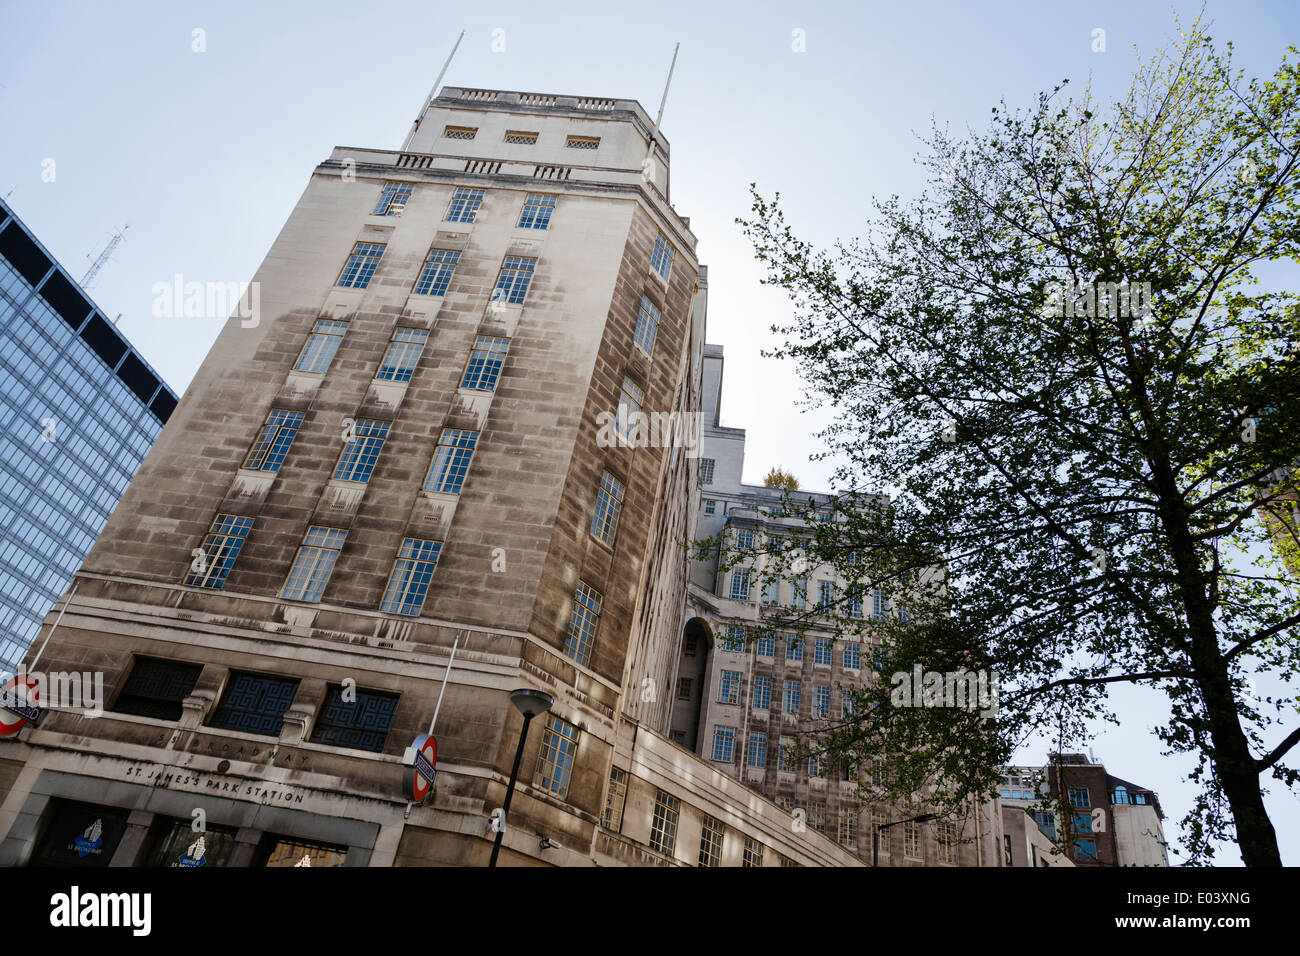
(531, 702)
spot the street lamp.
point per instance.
(875, 831)
(530, 703)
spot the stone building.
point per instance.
(394, 475)
(1115, 822)
(746, 705)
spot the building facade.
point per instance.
(79, 408)
(1114, 822)
(750, 707)
(396, 492)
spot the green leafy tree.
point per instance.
(1061, 364)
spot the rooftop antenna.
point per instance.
(647, 165)
(102, 259)
(432, 93)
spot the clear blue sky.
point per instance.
(206, 153)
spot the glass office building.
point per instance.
(79, 408)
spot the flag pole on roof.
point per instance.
(434, 92)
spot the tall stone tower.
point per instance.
(397, 456)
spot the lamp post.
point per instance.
(530, 703)
(875, 831)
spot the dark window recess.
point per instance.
(26, 255)
(101, 338)
(80, 834)
(255, 704)
(163, 405)
(362, 723)
(66, 299)
(136, 376)
(288, 851)
(176, 844)
(156, 688)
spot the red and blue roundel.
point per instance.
(12, 721)
(421, 759)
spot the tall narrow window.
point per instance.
(757, 755)
(555, 761)
(848, 704)
(512, 283)
(485, 361)
(765, 645)
(615, 799)
(582, 623)
(464, 205)
(537, 210)
(912, 839)
(854, 596)
(753, 853)
(799, 592)
(221, 546)
(436, 274)
(762, 693)
(852, 656)
(272, 444)
(314, 563)
(879, 604)
(647, 325)
(822, 651)
(662, 260)
(740, 585)
(630, 400)
(821, 701)
(794, 648)
(947, 842)
(402, 355)
(772, 591)
(711, 841)
(793, 691)
(848, 830)
(361, 451)
(392, 200)
(451, 461)
(361, 265)
(724, 744)
(318, 351)
(825, 595)
(729, 688)
(609, 502)
(787, 755)
(663, 826)
(408, 584)
(706, 470)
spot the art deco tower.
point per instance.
(400, 453)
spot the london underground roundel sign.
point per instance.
(421, 758)
(15, 711)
